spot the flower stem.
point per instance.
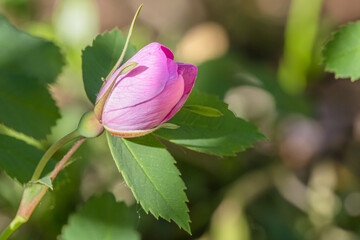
(66, 157)
(50, 152)
(27, 206)
(15, 224)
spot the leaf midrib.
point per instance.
(146, 174)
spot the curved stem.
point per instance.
(50, 152)
(15, 224)
(66, 157)
(27, 206)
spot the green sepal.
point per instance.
(204, 110)
(121, 58)
(127, 68)
(168, 126)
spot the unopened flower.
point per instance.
(148, 95)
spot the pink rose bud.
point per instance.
(149, 94)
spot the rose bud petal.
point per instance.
(149, 94)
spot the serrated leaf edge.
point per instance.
(48, 43)
(324, 49)
(259, 136)
(137, 198)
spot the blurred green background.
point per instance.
(263, 57)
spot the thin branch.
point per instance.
(27, 206)
(66, 157)
(50, 152)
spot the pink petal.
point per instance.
(188, 72)
(144, 82)
(146, 115)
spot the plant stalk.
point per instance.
(15, 224)
(50, 152)
(65, 159)
(28, 205)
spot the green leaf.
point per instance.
(26, 106)
(27, 65)
(342, 53)
(99, 59)
(149, 170)
(204, 110)
(102, 218)
(21, 52)
(17, 158)
(224, 135)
